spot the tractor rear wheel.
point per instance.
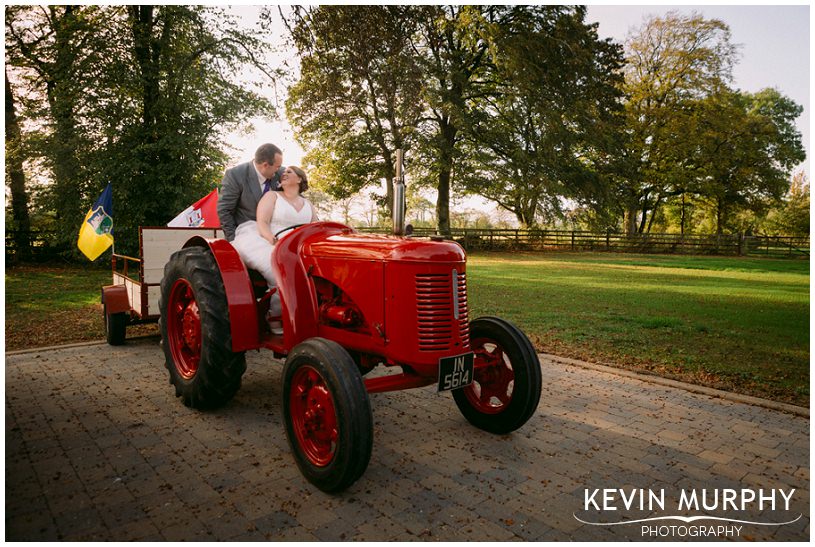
(327, 413)
(115, 327)
(506, 384)
(195, 332)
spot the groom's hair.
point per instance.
(266, 153)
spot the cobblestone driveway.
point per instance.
(98, 448)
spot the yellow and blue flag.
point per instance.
(96, 233)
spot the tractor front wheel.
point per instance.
(195, 331)
(506, 384)
(327, 413)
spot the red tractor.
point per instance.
(350, 301)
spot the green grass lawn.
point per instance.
(739, 324)
(37, 290)
(51, 305)
(732, 323)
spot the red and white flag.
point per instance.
(201, 214)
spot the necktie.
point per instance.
(267, 185)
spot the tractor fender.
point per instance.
(114, 298)
(298, 299)
(240, 297)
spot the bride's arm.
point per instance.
(264, 216)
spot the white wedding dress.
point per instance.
(256, 251)
(285, 216)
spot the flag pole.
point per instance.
(112, 243)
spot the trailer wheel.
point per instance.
(115, 327)
(195, 332)
(327, 413)
(506, 384)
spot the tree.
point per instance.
(137, 96)
(748, 145)
(16, 177)
(355, 102)
(445, 68)
(544, 122)
(791, 217)
(56, 49)
(181, 75)
(411, 66)
(418, 208)
(669, 62)
(451, 54)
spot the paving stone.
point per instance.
(110, 454)
(273, 525)
(418, 522)
(82, 522)
(32, 526)
(135, 530)
(335, 530)
(190, 530)
(382, 528)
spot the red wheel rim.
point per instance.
(493, 378)
(184, 329)
(313, 416)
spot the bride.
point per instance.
(280, 210)
(276, 211)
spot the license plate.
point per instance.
(456, 372)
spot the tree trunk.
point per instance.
(446, 153)
(641, 228)
(61, 98)
(721, 216)
(390, 160)
(141, 21)
(631, 219)
(443, 202)
(16, 178)
(657, 202)
(525, 210)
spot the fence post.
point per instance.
(573, 240)
(608, 239)
(741, 243)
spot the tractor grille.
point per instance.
(434, 307)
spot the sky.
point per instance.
(774, 51)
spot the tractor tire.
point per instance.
(327, 414)
(506, 384)
(195, 331)
(115, 327)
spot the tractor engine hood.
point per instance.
(351, 245)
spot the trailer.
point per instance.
(133, 296)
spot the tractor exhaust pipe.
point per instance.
(399, 197)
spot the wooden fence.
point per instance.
(580, 240)
(43, 247)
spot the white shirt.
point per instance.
(261, 178)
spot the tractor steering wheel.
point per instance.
(289, 228)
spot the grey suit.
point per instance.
(240, 194)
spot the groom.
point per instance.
(241, 190)
(243, 186)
